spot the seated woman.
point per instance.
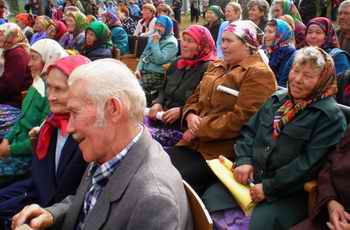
(56, 30)
(214, 118)
(333, 198)
(165, 9)
(75, 36)
(16, 147)
(145, 26)
(128, 23)
(285, 142)
(320, 32)
(214, 17)
(98, 42)
(161, 49)
(258, 12)
(282, 7)
(277, 44)
(40, 28)
(25, 21)
(119, 35)
(14, 74)
(183, 76)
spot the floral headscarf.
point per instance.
(326, 87)
(13, 36)
(111, 20)
(325, 24)
(283, 36)
(205, 41)
(289, 7)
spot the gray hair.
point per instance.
(107, 78)
(262, 5)
(343, 4)
(310, 55)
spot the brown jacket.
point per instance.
(223, 114)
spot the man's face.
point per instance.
(344, 18)
(84, 115)
(57, 90)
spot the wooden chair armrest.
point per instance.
(166, 66)
(310, 186)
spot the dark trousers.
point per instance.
(194, 14)
(193, 168)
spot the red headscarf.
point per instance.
(205, 41)
(61, 28)
(26, 19)
(66, 65)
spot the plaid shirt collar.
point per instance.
(101, 172)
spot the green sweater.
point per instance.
(35, 108)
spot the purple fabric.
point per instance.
(230, 219)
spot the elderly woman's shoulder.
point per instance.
(329, 107)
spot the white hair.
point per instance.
(107, 78)
(343, 4)
(310, 55)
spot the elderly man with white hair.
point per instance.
(130, 182)
(343, 19)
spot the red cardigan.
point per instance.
(16, 77)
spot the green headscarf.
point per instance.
(289, 8)
(102, 32)
(217, 11)
(80, 20)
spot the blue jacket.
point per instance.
(120, 39)
(341, 59)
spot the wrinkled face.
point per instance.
(230, 46)
(57, 89)
(70, 24)
(255, 14)
(92, 138)
(146, 14)
(189, 48)
(302, 80)
(90, 38)
(231, 14)
(159, 28)
(36, 63)
(211, 17)
(315, 36)
(269, 35)
(51, 32)
(277, 10)
(38, 26)
(344, 18)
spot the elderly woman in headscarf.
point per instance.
(40, 28)
(161, 49)
(213, 118)
(183, 76)
(56, 30)
(25, 21)
(119, 35)
(320, 32)
(74, 38)
(278, 45)
(98, 42)
(284, 144)
(214, 17)
(16, 147)
(282, 7)
(14, 74)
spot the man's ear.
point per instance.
(115, 109)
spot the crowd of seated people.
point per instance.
(82, 137)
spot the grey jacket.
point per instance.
(144, 192)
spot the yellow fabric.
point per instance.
(240, 192)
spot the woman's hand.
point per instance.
(171, 115)
(188, 136)
(257, 193)
(155, 37)
(193, 122)
(337, 215)
(154, 110)
(4, 149)
(243, 172)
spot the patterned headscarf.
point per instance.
(205, 41)
(326, 26)
(111, 19)
(80, 21)
(49, 50)
(25, 18)
(217, 11)
(13, 36)
(325, 87)
(289, 7)
(283, 36)
(247, 31)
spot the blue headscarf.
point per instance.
(284, 34)
(165, 22)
